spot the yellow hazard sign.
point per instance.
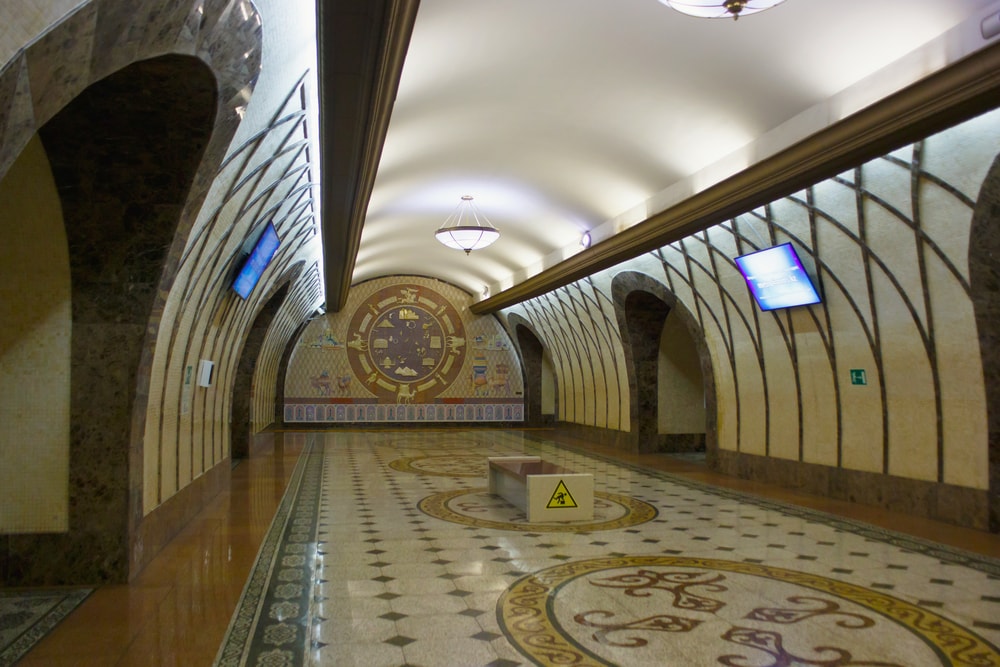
(561, 497)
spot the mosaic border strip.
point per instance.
(310, 413)
(45, 623)
(952, 555)
(281, 576)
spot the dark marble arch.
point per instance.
(531, 350)
(641, 305)
(984, 278)
(123, 155)
(129, 203)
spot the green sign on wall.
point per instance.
(858, 376)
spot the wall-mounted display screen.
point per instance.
(777, 279)
(257, 261)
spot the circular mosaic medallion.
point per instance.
(404, 341)
(477, 507)
(452, 465)
(701, 611)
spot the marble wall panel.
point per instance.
(945, 502)
(172, 27)
(59, 62)
(17, 117)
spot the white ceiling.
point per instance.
(566, 116)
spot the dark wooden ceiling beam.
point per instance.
(362, 45)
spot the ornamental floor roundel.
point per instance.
(406, 341)
(657, 610)
(480, 508)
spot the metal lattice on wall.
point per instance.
(889, 242)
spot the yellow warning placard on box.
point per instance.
(561, 497)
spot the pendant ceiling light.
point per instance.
(466, 228)
(720, 9)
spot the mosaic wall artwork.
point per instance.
(404, 350)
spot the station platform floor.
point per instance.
(384, 548)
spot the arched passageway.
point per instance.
(241, 429)
(539, 377)
(669, 369)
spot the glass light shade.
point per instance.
(467, 229)
(720, 9)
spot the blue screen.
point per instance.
(258, 260)
(777, 279)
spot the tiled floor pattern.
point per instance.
(403, 559)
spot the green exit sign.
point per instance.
(858, 376)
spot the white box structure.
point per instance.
(542, 490)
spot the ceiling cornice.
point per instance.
(362, 46)
(962, 91)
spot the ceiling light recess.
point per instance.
(466, 228)
(720, 9)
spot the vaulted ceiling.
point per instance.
(623, 119)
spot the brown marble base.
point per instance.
(678, 442)
(162, 524)
(606, 437)
(944, 502)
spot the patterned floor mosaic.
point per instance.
(388, 551)
(26, 617)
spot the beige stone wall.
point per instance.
(266, 176)
(34, 349)
(680, 383)
(267, 370)
(577, 326)
(890, 243)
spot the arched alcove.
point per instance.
(539, 375)
(243, 383)
(658, 333)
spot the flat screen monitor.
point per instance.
(777, 279)
(257, 261)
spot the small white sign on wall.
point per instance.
(206, 369)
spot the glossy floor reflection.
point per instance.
(414, 559)
(178, 608)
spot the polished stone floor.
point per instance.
(408, 561)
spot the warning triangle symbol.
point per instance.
(561, 497)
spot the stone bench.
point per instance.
(542, 490)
